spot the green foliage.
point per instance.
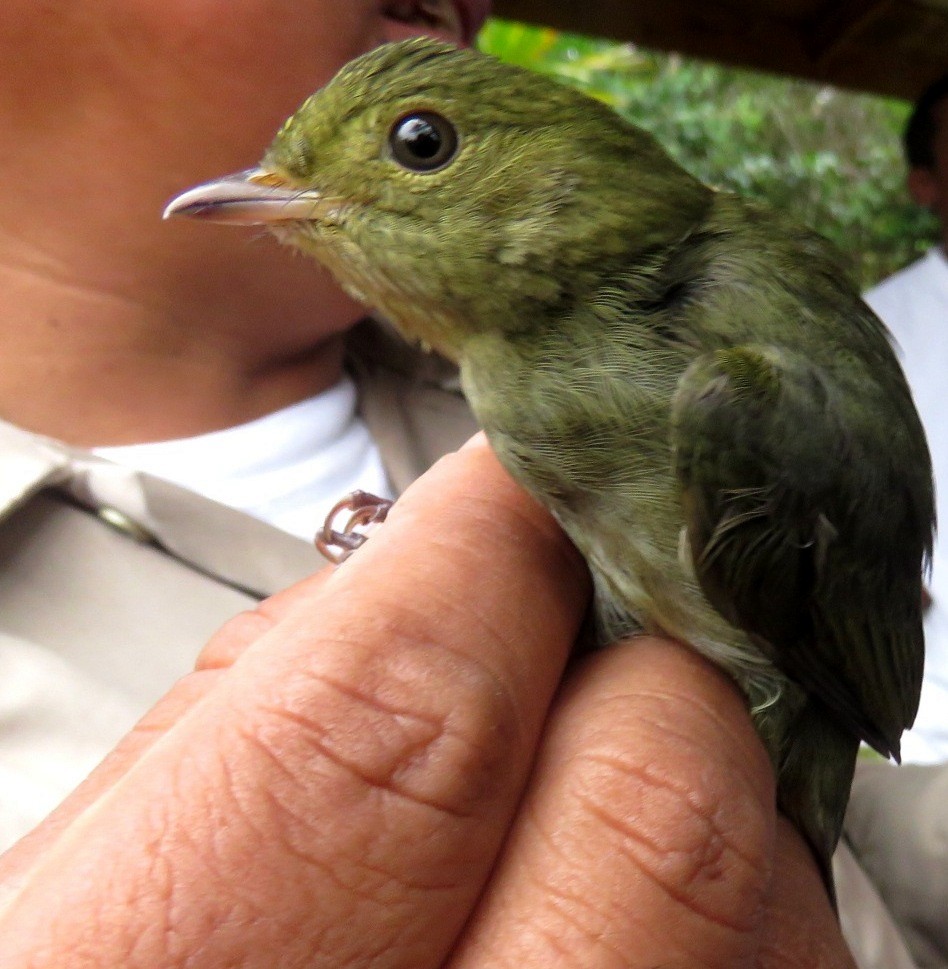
(832, 158)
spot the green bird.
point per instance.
(688, 381)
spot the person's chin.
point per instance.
(454, 21)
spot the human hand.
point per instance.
(379, 767)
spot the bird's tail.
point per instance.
(815, 775)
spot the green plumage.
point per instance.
(689, 382)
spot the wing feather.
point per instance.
(802, 537)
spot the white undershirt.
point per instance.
(914, 305)
(288, 468)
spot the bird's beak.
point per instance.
(251, 197)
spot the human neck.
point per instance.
(104, 362)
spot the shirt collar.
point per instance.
(238, 549)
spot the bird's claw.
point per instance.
(365, 512)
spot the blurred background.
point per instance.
(796, 102)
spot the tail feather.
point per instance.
(815, 774)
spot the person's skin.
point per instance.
(110, 107)
(378, 768)
(929, 186)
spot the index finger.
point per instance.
(347, 785)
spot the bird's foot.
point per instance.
(365, 512)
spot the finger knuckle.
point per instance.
(683, 829)
(421, 725)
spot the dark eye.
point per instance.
(423, 141)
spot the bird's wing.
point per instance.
(802, 537)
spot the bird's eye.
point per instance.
(423, 141)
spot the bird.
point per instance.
(688, 381)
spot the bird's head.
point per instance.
(454, 193)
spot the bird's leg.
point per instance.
(365, 512)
